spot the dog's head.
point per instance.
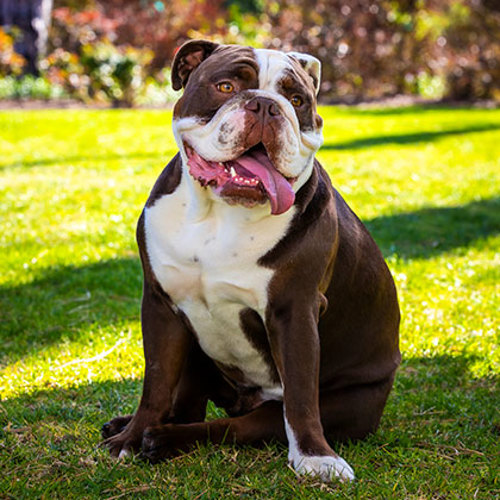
(246, 123)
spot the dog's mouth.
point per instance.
(249, 180)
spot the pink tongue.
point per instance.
(207, 170)
(278, 189)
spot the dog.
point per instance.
(263, 291)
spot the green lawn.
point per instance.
(427, 184)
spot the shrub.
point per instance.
(115, 73)
(72, 29)
(11, 63)
(64, 69)
(157, 90)
(86, 62)
(29, 87)
(371, 49)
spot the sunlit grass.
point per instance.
(427, 184)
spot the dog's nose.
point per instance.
(263, 106)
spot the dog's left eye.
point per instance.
(296, 101)
(225, 87)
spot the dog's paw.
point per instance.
(115, 426)
(154, 446)
(124, 444)
(324, 467)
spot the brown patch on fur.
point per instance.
(297, 82)
(226, 63)
(187, 58)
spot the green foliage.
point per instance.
(373, 49)
(112, 50)
(114, 72)
(29, 87)
(427, 184)
(88, 64)
(158, 91)
(430, 87)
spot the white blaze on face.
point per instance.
(272, 67)
(273, 64)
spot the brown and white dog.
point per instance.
(262, 290)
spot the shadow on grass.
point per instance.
(434, 398)
(434, 230)
(65, 160)
(440, 397)
(439, 421)
(67, 300)
(404, 139)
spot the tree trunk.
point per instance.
(32, 18)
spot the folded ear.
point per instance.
(188, 57)
(311, 65)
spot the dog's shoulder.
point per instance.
(168, 180)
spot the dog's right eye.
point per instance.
(297, 101)
(225, 87)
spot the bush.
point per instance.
(116, 50)
(29, 87)
(115, 73)
(372, 49)
(86, 62)
(157, 90)
(10, 61)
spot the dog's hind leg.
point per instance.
(200, 380)
(263, 424)
(353, 413)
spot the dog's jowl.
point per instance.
(262, 290)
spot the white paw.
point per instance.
(325, 467)
(124, 454)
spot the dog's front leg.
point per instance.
(294, 340)
(166, 341)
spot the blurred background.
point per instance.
(117, 52)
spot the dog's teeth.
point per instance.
(233, 172)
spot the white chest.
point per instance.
(205, 257)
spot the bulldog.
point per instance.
(263, 292)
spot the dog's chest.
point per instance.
(209, 267)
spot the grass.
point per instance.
(427, 184)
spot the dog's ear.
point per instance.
(188, 57)
(311, 65)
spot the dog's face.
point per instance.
(246, 125)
